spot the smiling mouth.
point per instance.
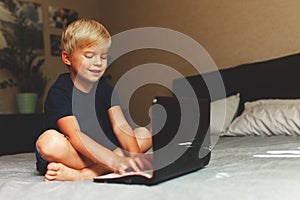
(96, 71)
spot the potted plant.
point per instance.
(20, 57)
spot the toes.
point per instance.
(53, 166)
(48, 177)
(52, 171)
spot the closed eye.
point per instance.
(104, 57)
(89, 55)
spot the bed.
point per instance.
(233, 173)
(243, 165)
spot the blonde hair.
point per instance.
(84, 33)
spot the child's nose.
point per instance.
(98, 61)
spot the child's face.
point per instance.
(89, 64)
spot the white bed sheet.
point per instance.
(233, 173)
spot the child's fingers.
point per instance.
(149, 165)
(144, 163)
(134, 165)
(121, 168)
(120, 171)
(149, 157)
(140, 163)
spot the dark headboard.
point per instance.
(276, 78)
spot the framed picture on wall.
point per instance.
(30, 33)
(60, 17)
(55, 45)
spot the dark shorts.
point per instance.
(41, 163)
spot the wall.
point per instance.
(233, 32)
(53, 65)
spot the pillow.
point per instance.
(267, 117)
(222, 113)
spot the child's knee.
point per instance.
(50, 141)
(142, 133)
(144, 138)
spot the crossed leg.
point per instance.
(66, 164)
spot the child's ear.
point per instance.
(65, 58)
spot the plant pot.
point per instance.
(26, 102)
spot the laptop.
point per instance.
(181, 141)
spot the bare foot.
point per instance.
(60, 172)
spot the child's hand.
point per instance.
(135, 162)
(144, 160)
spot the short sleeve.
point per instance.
(58, 103)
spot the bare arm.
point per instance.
(91, 149)
(122, 130)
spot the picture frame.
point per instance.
(34, 18)
(55, 41)
(61, 17)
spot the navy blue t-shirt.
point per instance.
(90, 109)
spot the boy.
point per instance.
(87, 134)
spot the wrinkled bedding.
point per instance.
(250, 167)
